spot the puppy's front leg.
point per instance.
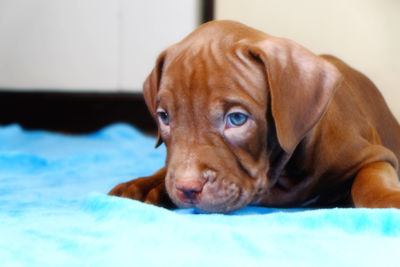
(149, 189)
(376, 186)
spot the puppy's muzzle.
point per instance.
(189, 184)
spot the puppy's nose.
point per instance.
(189, 189)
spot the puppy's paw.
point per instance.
(150, 190)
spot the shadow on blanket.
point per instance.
(54, 211)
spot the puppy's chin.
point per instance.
(222, 208)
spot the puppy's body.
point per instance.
(249, 118)
(356, 130)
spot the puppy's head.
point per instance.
(232, 104)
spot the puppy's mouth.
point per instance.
(211, 198)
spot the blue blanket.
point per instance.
(54, 211)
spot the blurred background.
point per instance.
(77, 65)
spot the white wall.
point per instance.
(87, 44)
(364, 33)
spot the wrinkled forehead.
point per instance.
(208, 73)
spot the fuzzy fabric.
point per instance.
(54, 211)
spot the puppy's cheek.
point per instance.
(240, 135)
(223, 198)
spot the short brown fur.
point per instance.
(318, 133)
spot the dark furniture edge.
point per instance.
(207, 11)
(71, 112)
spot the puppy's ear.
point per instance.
(301, 86)
(150, 90)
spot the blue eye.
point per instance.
(236, 119)
(163, 116)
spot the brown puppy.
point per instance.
(248, 118)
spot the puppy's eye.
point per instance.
(163, 117)
(236, 119)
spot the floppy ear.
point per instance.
(301, 86)
(150, 90)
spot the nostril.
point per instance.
(189, 190)
(190, 194)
